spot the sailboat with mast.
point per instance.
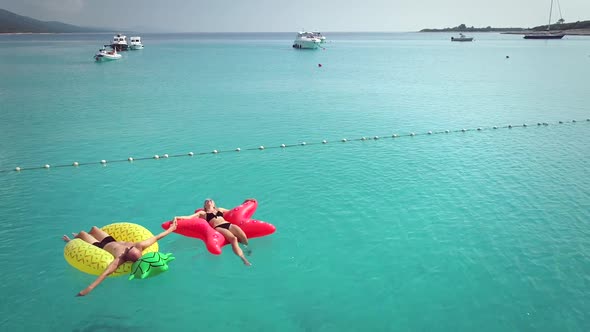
(547, 34)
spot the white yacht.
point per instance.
(135, 43)
(104, 55)
(119, 43)
(306, 40)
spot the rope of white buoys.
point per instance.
(104, 162)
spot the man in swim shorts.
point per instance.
(122, 251)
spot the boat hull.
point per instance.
(466, 39)
(306, 44)
(120, 47)
(136, 47)
(544, 36)
(107, 57)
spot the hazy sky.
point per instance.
(294, 15)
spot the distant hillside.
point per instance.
(556, 26)
(565, 26)
(14, 23)
(464, 28)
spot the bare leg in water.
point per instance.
(242, 238)
(82, 236)
(233, 240)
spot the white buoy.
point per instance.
(363, 138)
(495, 127)
(447, 131)
(463, 130)
(303, 143)
(479, 129)
(191, 153)
(17, 169)
(376, 137)
(324, 142)
(261, 147)
(344, 140)
(215, 151)
(156, 157)
(46, 166)
(412, 134)
(429, 132)
(165, 155)
(394, 135)
(283, 146)
(130, 159)
(75, 163)
(238, 149)
(103, 161)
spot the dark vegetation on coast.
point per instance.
(464, 28)
(557, 26)
(565, 26)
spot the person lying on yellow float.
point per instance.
(122, 251)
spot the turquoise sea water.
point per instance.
(482, 230)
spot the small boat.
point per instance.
(119, 43)
(306, 40)
(135, 43)
(104, 55)
(548, 34)
(462, 38)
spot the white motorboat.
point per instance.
(306, 40)
(462, 38)
(135, 43)
(104, 55)
(119, 43)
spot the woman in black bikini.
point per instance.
(232, 233)
(122, 251)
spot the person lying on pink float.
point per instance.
(218, 227)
